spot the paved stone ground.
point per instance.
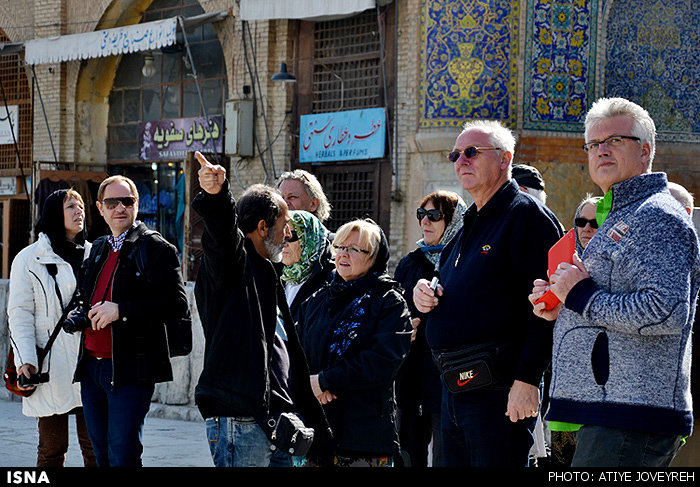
(167, 442)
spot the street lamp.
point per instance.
(284, 76)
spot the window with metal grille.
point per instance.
(341, 69)
(15, 88)
(351, 190)
(347, 64)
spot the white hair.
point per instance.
(499, 135)
(643, 125)
(537, 193)
(682, 195)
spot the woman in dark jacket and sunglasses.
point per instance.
(418, 386)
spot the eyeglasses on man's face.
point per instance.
(433, 215)
(469, 152)
(612, 141)
(352, 250)
(112, 203)
(581, 222)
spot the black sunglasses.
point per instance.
(112, 203)
(581, 222)
(293, 238)
(433, 215)
(469, 152)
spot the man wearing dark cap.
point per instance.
(530, 181)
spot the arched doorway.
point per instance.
(116, 96)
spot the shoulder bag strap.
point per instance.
(53, 270)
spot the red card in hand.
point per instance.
(562, 251)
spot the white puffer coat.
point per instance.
(33, 312)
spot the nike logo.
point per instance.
(464, 383)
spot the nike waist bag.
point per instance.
(467, 368)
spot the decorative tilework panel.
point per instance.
(469, 61)
(559, 69)
(653, 58)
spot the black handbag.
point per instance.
(291, 435)
(468, 368)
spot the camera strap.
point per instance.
(43, 352)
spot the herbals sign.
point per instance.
(173, 139)
(343, 136)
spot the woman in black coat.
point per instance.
(418, 386)
(356, 332)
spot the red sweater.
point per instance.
(98, 343)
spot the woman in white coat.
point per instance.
(34, 309)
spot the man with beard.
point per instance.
(254, 367)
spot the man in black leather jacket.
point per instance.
(124, 348)
(254, 367)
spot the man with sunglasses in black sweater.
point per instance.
(480, 313)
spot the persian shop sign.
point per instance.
(343, 136)
(173, 139)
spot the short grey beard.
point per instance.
(274, 250)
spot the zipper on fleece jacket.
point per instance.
(46, 297)
(111, 327)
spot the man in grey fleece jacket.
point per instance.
(622, 338)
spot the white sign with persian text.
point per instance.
(9, 124)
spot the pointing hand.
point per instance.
(211, 176)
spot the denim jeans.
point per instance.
(600, 446)
(477, 433)
(114, 415)
(241, 442)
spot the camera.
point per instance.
(33, 379)
(79, 321)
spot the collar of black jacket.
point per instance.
(498, 202)
(136, 231)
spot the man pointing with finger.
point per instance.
(481, 310)
(254, 367)
(622, 339)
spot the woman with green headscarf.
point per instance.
(307, 259)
